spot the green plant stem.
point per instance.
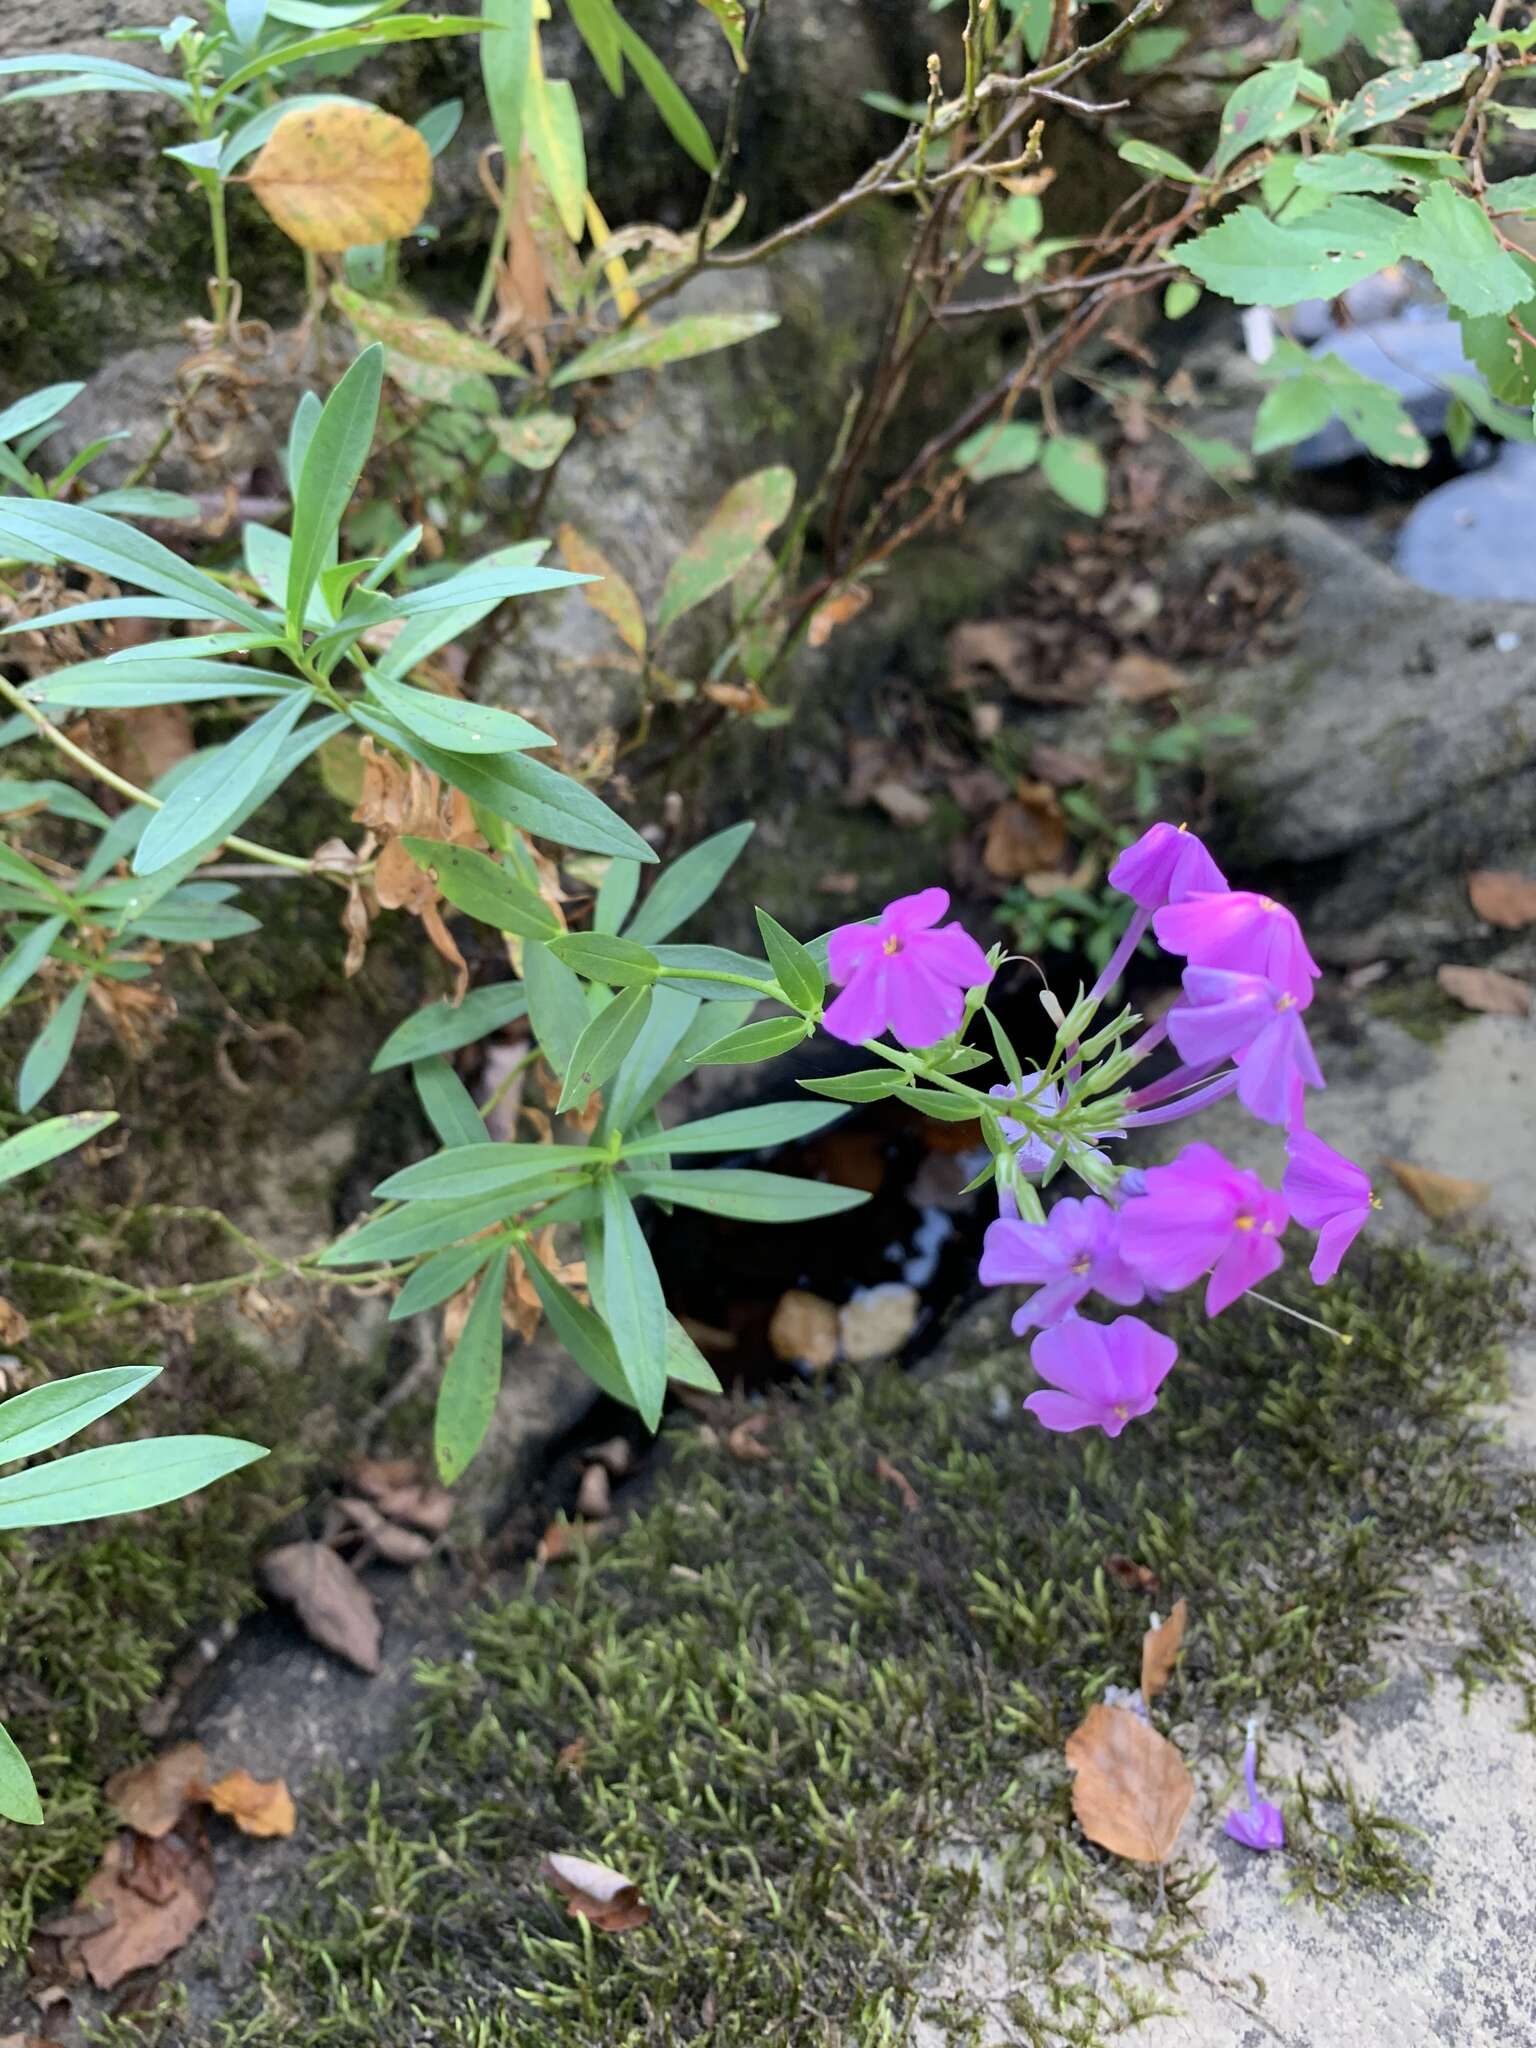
(132, 1298)
(219, 222)
(497, 250)
(269, 855)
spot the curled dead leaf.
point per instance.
(257, 1806)
(612, 595)
(158, 1894)
(905, 1491)
(1502, 898)
(1160, 1648)
(835, 611)
(1132, 1789)
(1026, 834)
(14, 1327)
(151, 1797)
(1441, 1196)
(1142, 679)
(331, 1601)
(1485, 989)
(594, 1892)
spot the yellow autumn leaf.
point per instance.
(337, 176)
(612, 594)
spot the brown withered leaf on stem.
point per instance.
(835, 611)
(157, 1900)
(396, 1486)
(340, 175)
(1484, 988)
(329, 1598)
(14, 1327)
(1132, 1789)
(594, 1892)
(1160, 1648)
(1502, 898)
(151, 1797)
(257, 1806)
(1440, 1195)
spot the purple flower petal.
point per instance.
(1166, 864)
(862, 1010)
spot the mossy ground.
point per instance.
(803, 1710)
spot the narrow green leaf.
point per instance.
(686, 1363)
(439, 1277)
(333, 463)
(616, 895)
(554, 135)
(18, 1795)
(597, 956)
(445, 1026)
(466, 1400)
(740, 1130)
(597, 23)
(474, 1170)
(93, 540)
(687, 130)
(794, 969)
(26, 956)
(447, 1103)
(409, 28)
(691, 968)
(456, 727)
(50, 1049)
(36, 409)
(666, 1023)
(438, 125)
(687, 884)
(208, 801)
(581, 1330)
(557, 1007)
(744, 1192)
(119, 1479)
(504, 66)
(600, 1048)
(44, 1416)
(99, 685)
(633, 1305)
(652, 348)
(764, 1040)
(183, 919)
(429, 1226)
(48, 1140)
(141, 503)
(727, 541)
(1148, 156)
(484, 889)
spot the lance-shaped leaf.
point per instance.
(36, 410)
(471, 1172)
(466, 1401)
(1396, 93)
(119, 1479)
(422, 336)
(652, 348)
(175, 679)
(18, 1794)
(210, 799)
(740, 1130)
(597, 1053)
(632, 1302)
(740, 1191)
(429, 1226)
(94, 540)
(666, 96)
(448, 1105)
(666, 1024)
(764, 1040)
(484, 889)
(445, 1026)
(49, 1140)
(611, 594)
(453, 725)
(581, 1330)
(687, 884)
(505, 59)
(333, 462)
(44, 1416)
(439, 1277)
(597, 956)
(748, 513)
(794, 966)
(26, 956)
(554, 135)
(51, 1048)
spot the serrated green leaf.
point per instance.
(466, 1400)
(483, 888)
(744, 1192)
(447, 1104)
(444, 1026)
(687, 884)
(1396, 93)
(119, 1479)
(1454, 239)
(1258, 262)
(597, 1053)
(1351, 170)
(1290, 412)
(652, 348)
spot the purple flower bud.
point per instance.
(1166, 864)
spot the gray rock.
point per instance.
(1412, 355)
(1471, 538)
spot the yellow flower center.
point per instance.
(1084, 1264)
(1286, 1002)
(1242, 1223)
(892, 944)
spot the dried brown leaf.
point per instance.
(1502, 898)
(803, 1330)
(745, 1443)
(156, 1903)
(257, 1806)
(901, 802)
(396, 1486)
(1026, 834)
(152, 1797)
(1440, 1195)
(1132, 1789)
(1125, 1571)
(399, 1546)
(14, 1327)
(329, 1598)
(1484, 988)
(572, 1756)
(906, 1492)
(1142, 679)
(835, 611)
(594, 1892)
(1160, 1648)
(340, 175)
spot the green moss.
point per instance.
(1421, 1008)
(799, 1705)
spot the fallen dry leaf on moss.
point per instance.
(572, 1756)
(257, 1806)
(1160, 1648)
(339, 176)
(158, 1893)
(745, 1442)
(1440, 1195)
(331, 1601)
(803, 1330)
(1502, 898)
(594, 1892)
(1125, 1571)
(1132, 1789)
(151, 1797)
(906, 1492)
(1484, 988)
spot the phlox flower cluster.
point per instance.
(1238, 1027)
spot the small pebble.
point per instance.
(878, 1320)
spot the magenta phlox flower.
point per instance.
(1075, 1252)
(1257, 1023)
(902, 975)
(1100, 1376)
(1260, 1825)
(1166, 864)
(1327, 1193)
(1033, 1155)
(1248, 933)
(1202, 1214)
